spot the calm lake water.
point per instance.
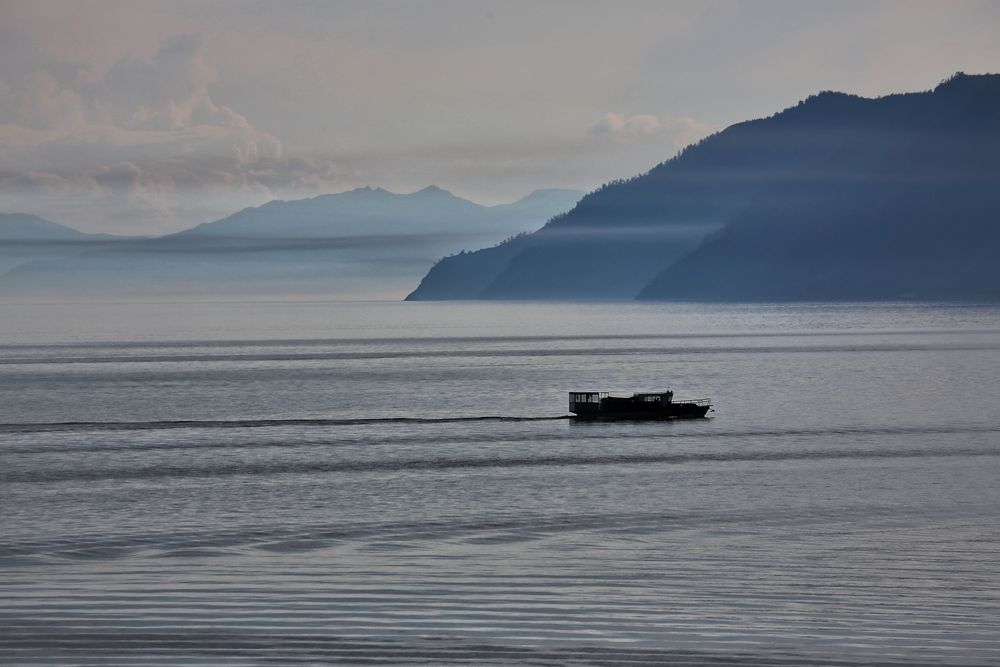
(231, 483)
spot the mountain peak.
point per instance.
(432, 191)
(367, 189)
(26, 226)
(969, 88)
(961, 79)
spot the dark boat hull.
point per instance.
(643, 413)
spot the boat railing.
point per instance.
(695, 401)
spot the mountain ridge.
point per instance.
(362, 239)
(31, 227)
(827, 151)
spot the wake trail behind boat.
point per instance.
(254, 423)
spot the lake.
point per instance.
(265, 482)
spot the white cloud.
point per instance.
(630, 127)
(145, 140)
(677, 132)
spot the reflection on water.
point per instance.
(412, 493)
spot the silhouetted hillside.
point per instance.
(467, 275)
(837, 197)
(907, 206)
(364, 243)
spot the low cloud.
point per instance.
(141, 147)
(645, 127)
(145, 140)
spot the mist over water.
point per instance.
(264, 482)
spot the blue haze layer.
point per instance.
(364, 243)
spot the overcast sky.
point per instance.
(147, 117)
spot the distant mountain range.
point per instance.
(25, 238)
(15, 227)
(366, 242)
(838, 197)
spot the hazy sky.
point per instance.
(146, 117)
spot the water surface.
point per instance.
(261, 482)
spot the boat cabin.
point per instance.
(586, 401)
(595, 401)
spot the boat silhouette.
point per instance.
(600, 405)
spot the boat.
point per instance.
(600, 405)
